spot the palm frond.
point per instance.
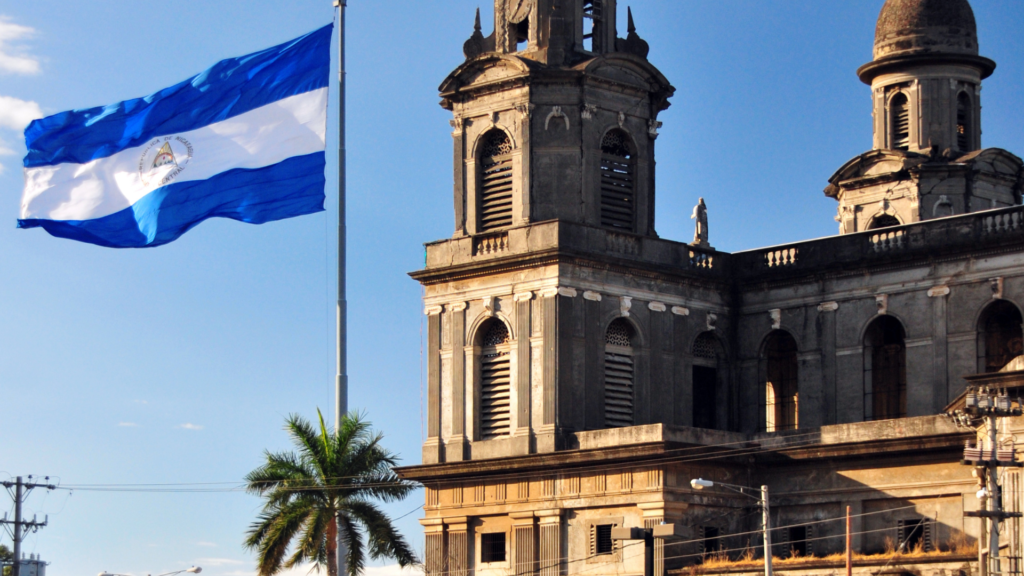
(385, 541)
(353, 543)
(272, 534)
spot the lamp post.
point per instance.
(192, 570)
(700, 484)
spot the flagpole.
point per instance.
(341, 379)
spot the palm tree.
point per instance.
(327, 485)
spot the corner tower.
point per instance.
(927, 160)
(554, 118)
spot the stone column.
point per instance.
(458, 546)
(521, 436)
(459, 176)
(546, 433)
(550, 542)
(434, 560)
(432, 446)
(524, 540)
(456, 448)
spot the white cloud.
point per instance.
(127, 424)
(214, 562)
(14, 58)
(191, 426)
(16, 114)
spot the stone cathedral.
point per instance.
(582, 370)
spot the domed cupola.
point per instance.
(908, 27)
(926, 77)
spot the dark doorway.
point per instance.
(705, 380)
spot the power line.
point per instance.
(19, 491)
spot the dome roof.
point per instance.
(908, 27)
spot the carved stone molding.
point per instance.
(433, 310)
(566, 291)
(882, 302)
(680, 311)
(592, 296)
(622, 120)
(656, 306)
(520, 296)
(489, 306)
(556, 112)
(625, 303)
(652, 128)
(996, 284)
(587, 111)
(456, 124)
(937, 291)
(456, 306)
(828, 307)
(712, 320)
(776, 317)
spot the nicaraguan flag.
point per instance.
(243, 140)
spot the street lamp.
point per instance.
(193, 570)
(700, 484)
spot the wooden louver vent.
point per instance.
(495, 382)
(962, 111)
(900, 122)
(618, 178)
(618, 375)
(495, 185)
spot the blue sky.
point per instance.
(178, 364)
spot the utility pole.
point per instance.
(22, 527)
(766, 522)
(983, 406)
(849, 545)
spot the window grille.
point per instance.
(963, 111)
(709, 542)
(915, 535)
(495, 382)
(618, 375)
(495, 181)
(1002, 335)
(492, 547)
(601, 539)
(617, 181)
(900, 122)
(781, 384)
(704, 347)
(887, 369)
(883, 221)
(798, 541)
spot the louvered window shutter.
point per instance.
(900, 111)
(495, 382)
(618, 181)
(963, 107)
(495, 186)
(618, 375)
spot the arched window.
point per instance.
(618, 374)
(495, 380)
(885, 370)
(899, 122)
(883, 221)
(963, 122)
(705, 381)
(781, 384)
(495, 183)
(618, 182)
(999, 336)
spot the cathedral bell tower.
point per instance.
(554, 118)
(927, 160)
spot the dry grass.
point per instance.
(959, 545)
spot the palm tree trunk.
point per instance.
(332, 547)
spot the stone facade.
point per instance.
(582, 370)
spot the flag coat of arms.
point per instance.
(243, 140)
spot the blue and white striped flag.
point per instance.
(244, 140)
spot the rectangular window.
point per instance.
(492, 547)
(709, 540)
(603, 543)
(800, 541)
(915, 535)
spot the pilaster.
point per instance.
(939, 296)
(458, 546)
(550, 542)
(524, 540)
(521, 436)
(456, 449)
(432, 446)
(434, 559)
(546, 441)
